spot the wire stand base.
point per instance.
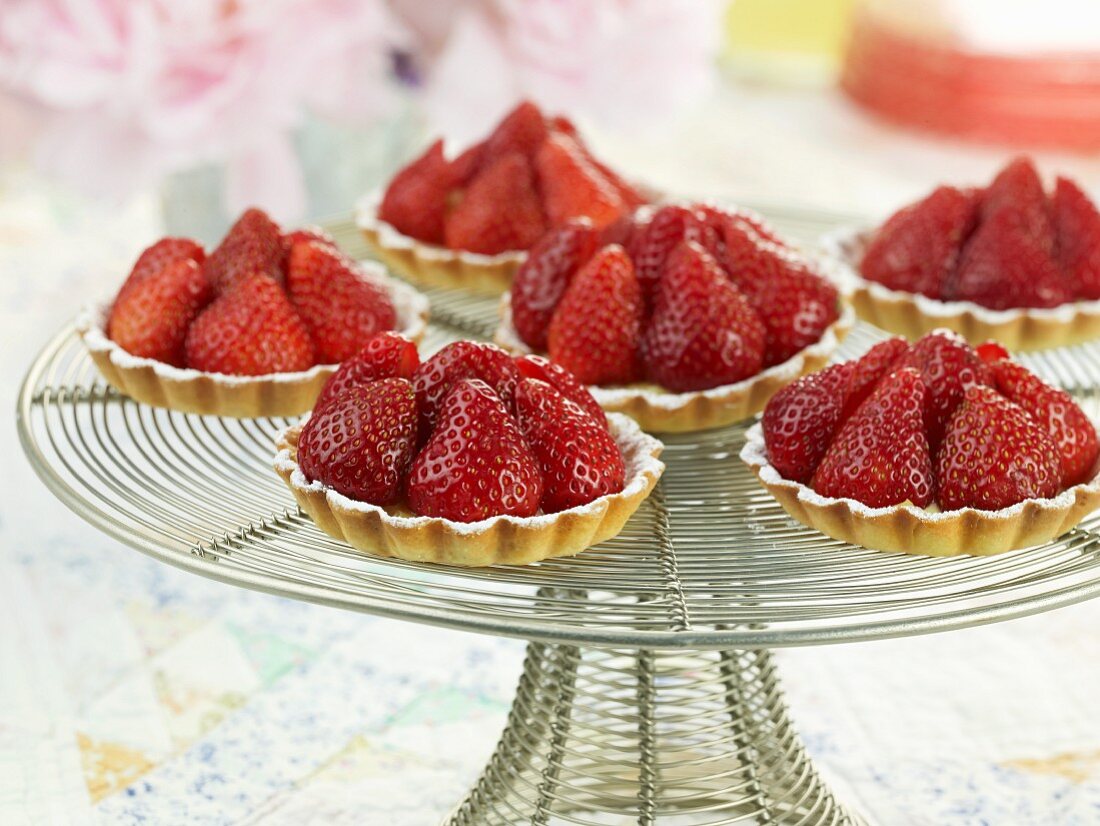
(598, 736)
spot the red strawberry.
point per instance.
(653, 242)
(718, 218)
(1077, 235)
(462, 360)
(869, 369)
(631, 197)
(537, 367)
(522, 130)
(476, 463)
(340, 305)
(250, 330)
(155, 258)
(571, 187)
(499, 211)
(362, 444)
(1003, 267)
(595, 329)
(947, 365)
(385, 356)
(621, 232)
(415, 203)
(703, 331)
(578, 457)
(880, 456)
(253, 245)
(544, 275)
(151, 317)
(800, 420)
(918, 246)
(745, 254)
(1018, 192)
(991, 351)
(562, 124)
(304, 235)
(466, 165)
(994, 455)
(1056, 412)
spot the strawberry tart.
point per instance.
(470, 458)
(466, 222)
(929, 448)
(685, 317)
(252, 329)
(1009, 262)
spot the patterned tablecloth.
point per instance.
(131, 692)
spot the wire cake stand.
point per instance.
(648, 694)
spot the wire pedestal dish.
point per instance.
(647, 694)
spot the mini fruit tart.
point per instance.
(471, 458)
(1006, 262)
(929, 448)
(252, 329)
(466, 223)
(692, 319)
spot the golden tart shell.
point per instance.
(430, 265)
(914, 530)
(912, 315)
(660, 411)
(501, 540)
(192, 391)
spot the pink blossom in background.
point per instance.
(625, 65)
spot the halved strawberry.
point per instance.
(415, 202)
(499, 211)
(386, 355)
(1056, 412)
(151, 317)
(250, 330)
(158, 256)
(362, 443)
(918, 246)
(654, 240)
(703, 331)
(1077, 234)
(253, 245)
(880, 456)
(595, 329)
(460, 360)
(869, 369)
(800, 420)
(994, 455)
(476, 464)
(577, 456)
(340, 305)
(571, 187)
(537, 367)
(545, 274)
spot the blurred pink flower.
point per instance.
(621, 64)
(135, 89)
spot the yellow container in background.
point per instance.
(790, 41)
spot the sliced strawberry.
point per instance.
(499, 211)
(253, 245)
(1057, 413)
(362, 443)
(522, 130)
(150, 318)
(880, 456)
(994, 455)
(703, 332)
(415, 202)
(571, 187)
(1077, 236)
(1018, 192)
(545, 274)
(595, 329)
(476, 464)
(250, 330)
(385, 356)
(434, 378)
(948, 366)
(869, 369)
(654, 240)
(577, 456)
(917, 248)
(1004, 267)
(537, 367)
(800, 420)
(158, 256)
(340, 305)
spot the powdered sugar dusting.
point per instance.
(411, 307)
(640, 455)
